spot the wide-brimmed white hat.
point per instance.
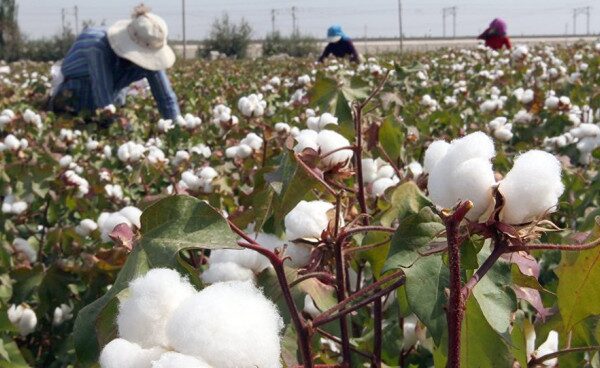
(142, 40)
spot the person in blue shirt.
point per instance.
(339, 45)
(101, 63)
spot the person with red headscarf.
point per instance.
(495, 35)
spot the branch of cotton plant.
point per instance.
(543, 358)
(337, 340)
(456, 302)
(360, 195)
(365, 248)
(566, 247)
(314, 175)
(389, 160)
(378, 331)
(329, 315)
(277, 263)
(376, 90)
(500, 247)
(324, 276)
(353, 148)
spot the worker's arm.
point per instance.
(325, 53)
(163, 94)
(101, 76)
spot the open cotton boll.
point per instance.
(226, 271)
(23, 318)
(254, 141)
(172, 359)
(548, 347)
(369, 168)
(329, 141)
(531, 188)
(22, 245)
(319, 123)
(310, 307)
(473, 180)
(85, 227)
(434, 153)
(229, 325)
(246, 258)
(299, 253)
(380, 185)
(61, 314)
(131, 152)
(120, 353)
(152, 298)
(307, 220)
(133, 214)
(409, 332)
(306, 138)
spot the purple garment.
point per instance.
(498, 27)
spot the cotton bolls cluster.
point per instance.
(62, 314)
(107, 221)
(501, 129)
(164, 125)
(318, 123)
(282, 128)
(522, 117)
(164, 322)
(520, 52)
(23, 318)
(11, 205)
(189, 121)
(525, 96)
(247, 146)
(240, 264)
(495, 103)
(221, 116)
(114, 191)
(554, 102)
(429, 102)
(324, 142)
(588, 139)
(156, 157)
(378, 175)
(24, 247)
(307, 220)
(13, 143)
(252, 105)
(531, 188)
(303, 80)
(464, 172)
(200, 180)
(31, 117)
(201, 150)
(131, 152)
(73, 179)
(6, 116)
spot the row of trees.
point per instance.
(225, 37)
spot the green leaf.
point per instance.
(426, 282)
(481, 346)
(578, 292)
(407, 199)
(376, 256)
(172, 224)
(391, 137)
(15, 358)
(494, 294)
(324, 91)
(413, 233)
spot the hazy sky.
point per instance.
(358, 17)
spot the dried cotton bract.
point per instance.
(229, 325)
(144, 314)
(531, 188)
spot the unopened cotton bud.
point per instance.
(531, 188)
(152, 299)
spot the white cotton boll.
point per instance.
(181, 156)
(299, 253)
(19, 207)
(23, 318)
(304, 79)
(133, 214)
(226, 271)
(409, 332)
(208, 173)
(23, 246)
(531, 188)
(307, 220)
(306, 138)
(380, 185)
(151, 302)
(85, 227)
(548, 347)
(503, 134)
(173, 359)
(164, 125)
(551, 102)
(434, 153)
(310, 307)
(319, 123)
(107, 151)
(62, 314)
(329, 141)
(91, 145)
(231, 152)
(369, 168)
(252, 140)
(415, 168)
(252, 105)
(120, 353)
(385, 171)
(243, 151)
(283, 128)
(246, 258)
(24, 143)
(156, 156)
(108, 221)
(214, 324)
(522, 117)
(473, 180)
(191, 181)
(12, 143)
(131, 152)
(65, 161)
(114, 191)
(201, 150)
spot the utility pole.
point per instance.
(272, 20)
(183, 29)
(294, 26)
(64, 26)
(76, 9)
(446, 12)
(584, 10)
(400, 26)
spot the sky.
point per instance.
(359, 18)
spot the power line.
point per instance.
(584, 10)
(447, 12)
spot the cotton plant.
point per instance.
(222, 117)
(12, 143)
(501, 129)
(252, 105)
(72, 179)
(165, 322)
(114, 191)
(588, 139)
(198, 180)
(378, 175)
(6, 116)
(131, 152)
(524, 96)
(429, 103)
(201, 150)
(23, 318)
(107, 221)
(462, 170)
(13, 206)
(318, 123)
(165, 125)
(156, 157)
(188, 121)
(86, 227)
(32, 118)
(328, 144)
(247, 146)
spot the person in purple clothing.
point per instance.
(339, 45)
